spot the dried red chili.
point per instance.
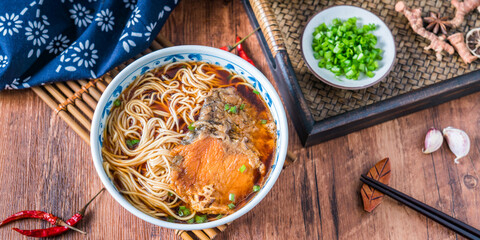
(239, 41)
(31, 214)
(54, 220)
(48, 232)
(241, 52)
(225, 48)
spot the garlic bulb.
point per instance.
(458, 142)
(433, 140)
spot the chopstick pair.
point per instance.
(430, 212)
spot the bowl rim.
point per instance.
(342, 86)
(132, 67)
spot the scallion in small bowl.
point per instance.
(346, 49)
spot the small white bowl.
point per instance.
(190, 53)
(385, 42)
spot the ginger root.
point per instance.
(458, 42)
(462, 9)
(414, 16)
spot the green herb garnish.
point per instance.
(242, 106)
(242, 168)
(191, 220)
(227, 107)
(117, 103)
(231, 197)
(191, 128)
(263, 121)
(345, 49)
(219, 216)
(233, 109)
(200, 218)
(256, 92)
(256, 188)
(170, 194)
(131, 142)
(183, 211)
(170, 219)
(231, 206)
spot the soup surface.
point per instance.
(189, 142)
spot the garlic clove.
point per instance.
(433, 140)
(458, 142)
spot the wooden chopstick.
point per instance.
(432, 213)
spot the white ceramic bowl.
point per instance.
(385, 42)
(190, 53)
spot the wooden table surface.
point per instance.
(46, 166)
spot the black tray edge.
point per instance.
(284, 76)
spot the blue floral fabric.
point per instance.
(43, 41)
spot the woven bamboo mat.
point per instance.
(75, 102)
(415, 67)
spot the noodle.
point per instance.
(156, 109)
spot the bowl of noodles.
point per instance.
(189, 137)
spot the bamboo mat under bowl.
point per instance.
(75, 102)
(283, 22)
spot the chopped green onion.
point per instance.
(131, 142)
(233, 109)
(191, 220)
(219, 216)
(227, 107)
(256, 188)
(345, 49)
(242, 106)
(170, 219)
(231, 197)
(183, 211)
(200, 218)
(263, 121)
(117, 103)
(231, 206)
(242, 168)
(191, 127)
(256, 92)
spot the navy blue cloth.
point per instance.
(43, 41)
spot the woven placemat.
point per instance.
(414, 67)
(75, 102)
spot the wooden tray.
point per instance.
(320, 112)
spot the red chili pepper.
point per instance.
(239, 41)
(242, 53)
(31, 214)
(53, 231)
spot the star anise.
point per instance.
(436, 23)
